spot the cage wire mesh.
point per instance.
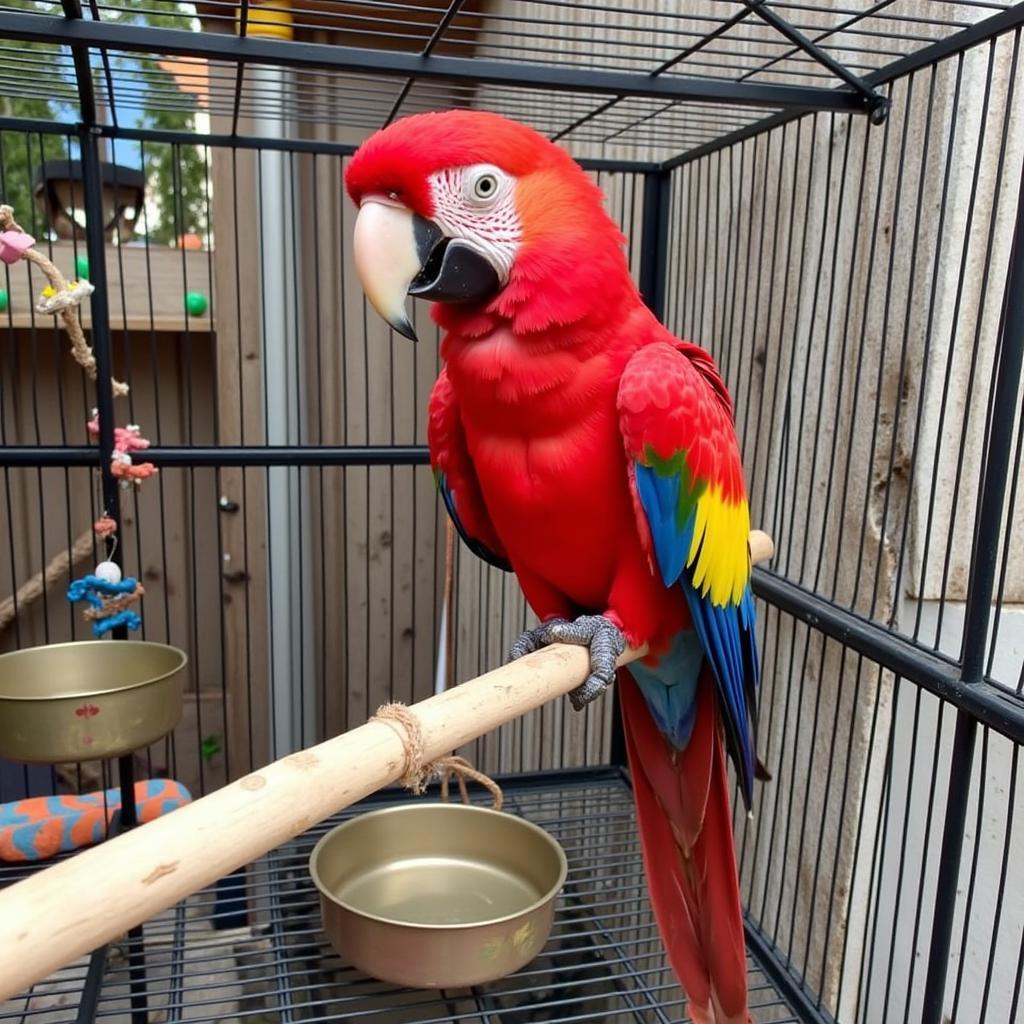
(849, 279)
(603, 962)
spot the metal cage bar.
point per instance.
(320, 56)
(711, 171)
(980, 595)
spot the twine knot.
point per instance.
(415, 774)
(114, 603)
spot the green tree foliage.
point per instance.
(20, 152)
(176, 176)
(177, 179)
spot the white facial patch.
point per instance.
(477, 205)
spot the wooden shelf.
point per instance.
(164, 324)
(151, 296)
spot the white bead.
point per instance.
(109, 572)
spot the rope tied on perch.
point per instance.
(416, 774)
(59, 298)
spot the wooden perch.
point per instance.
(56, 915)
(34, 588)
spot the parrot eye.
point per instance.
(485, 186)
(482, 185)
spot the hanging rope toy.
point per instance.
(126, 440)
(59, 297)
(109, 598)
(52, 300)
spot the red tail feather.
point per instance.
(682, 807)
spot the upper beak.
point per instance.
(399, 253)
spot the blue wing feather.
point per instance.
(477, 547)
(659, 496)
(723, 639)
(726, 632)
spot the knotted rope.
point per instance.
(112, 604)
(416, 774)
(61, 300)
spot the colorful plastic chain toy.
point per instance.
(109, 598)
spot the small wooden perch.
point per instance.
(50, 918)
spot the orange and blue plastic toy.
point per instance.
(43, 826)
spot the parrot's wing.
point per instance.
(456, 478)
(687, 479)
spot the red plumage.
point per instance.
(682, 803)
(399, 159)
(525, 428)
(543, 478)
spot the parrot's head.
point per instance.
(484, 216)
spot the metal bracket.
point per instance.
(874, 102)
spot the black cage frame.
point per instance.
(961, 682)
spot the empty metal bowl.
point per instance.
(437, 895)
(88, 700)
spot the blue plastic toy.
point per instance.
(107, 599)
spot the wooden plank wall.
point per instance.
(169, 525)
(242, 556)
(373, 561)
(375, 556)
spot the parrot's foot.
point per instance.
(601, 635)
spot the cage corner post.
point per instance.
(92, 182)
(90, 152)
(981, 590)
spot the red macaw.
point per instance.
(580, 444)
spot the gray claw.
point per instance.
(583, 695)
(533, 639)
(601, 635)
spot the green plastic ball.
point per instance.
(82, 267)
(195, 303)
(3, 301)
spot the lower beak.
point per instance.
(399, 253)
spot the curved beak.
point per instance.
(399, 253)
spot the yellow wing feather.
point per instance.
(723, 565)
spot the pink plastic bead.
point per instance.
(13, 245)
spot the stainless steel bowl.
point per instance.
(437, 895)
(88, 700)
